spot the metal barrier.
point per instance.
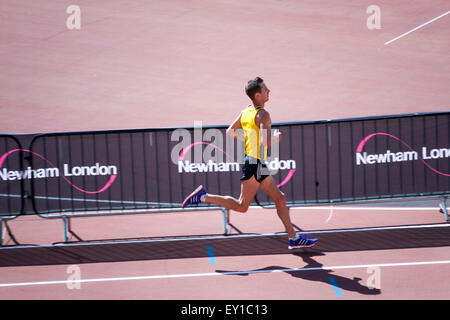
(12, 192)
(104, 173)
(80, 174)
(374, 158)
(11, 173)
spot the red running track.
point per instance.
(168, 63)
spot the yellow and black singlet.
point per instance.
(253, 146)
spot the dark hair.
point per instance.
(253, 86)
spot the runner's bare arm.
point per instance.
(265, 126)
(235, 131)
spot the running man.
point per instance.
(256, 124)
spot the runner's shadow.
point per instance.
(317, 274)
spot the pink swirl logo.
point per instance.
(370, 136)
(105, 187)
(189, 147)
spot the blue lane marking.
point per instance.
(212, 260)
(335, 287)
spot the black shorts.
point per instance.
(254, 167)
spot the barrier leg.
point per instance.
(444, 207)
(226, 219)
(7, 230)
(65, 229)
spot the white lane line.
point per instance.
(215, 274)
(324, 207)
(330, 215)
(367, 208)
(416, 28)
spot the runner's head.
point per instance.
(257, 91)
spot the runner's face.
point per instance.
(264, 93)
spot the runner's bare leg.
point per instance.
(269, 186)
(248, 191)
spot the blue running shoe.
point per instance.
(195, 197)
(301, 242)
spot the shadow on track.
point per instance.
(320, 275)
